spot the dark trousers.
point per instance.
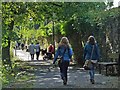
(63, 69)
(32, 56)
(49, 55)
(37, 55)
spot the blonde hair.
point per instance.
(64, 41)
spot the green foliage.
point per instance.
(17, 73)
(21, 13)
(90, 18)
(7, 76)
(59, 28)
(9, 10)
(81, 18)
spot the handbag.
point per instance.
(88, 63)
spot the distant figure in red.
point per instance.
(51, 49)
(48, 54)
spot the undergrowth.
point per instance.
(16, 73)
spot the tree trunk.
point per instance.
(77, 48)
(6, 50)
(6, 54)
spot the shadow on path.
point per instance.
(43, 75)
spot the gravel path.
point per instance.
(48, 77)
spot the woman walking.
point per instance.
(64, 50)
(91, 52)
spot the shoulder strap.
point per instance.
(92, 52)
(63, 51)
(69, 52)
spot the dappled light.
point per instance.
(32, 37)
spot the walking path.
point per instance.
(25, 56)
(49, 77)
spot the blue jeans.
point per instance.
(92, 71)
(63, 69)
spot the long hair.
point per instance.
(64, 42)
(91, 40)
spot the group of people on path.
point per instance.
(19, 45)
(65, 51)
(36, 49)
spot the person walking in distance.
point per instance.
(65, 51)
(32, 51)
(91, 52)
(37, 47)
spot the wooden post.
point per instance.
(118, 28)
